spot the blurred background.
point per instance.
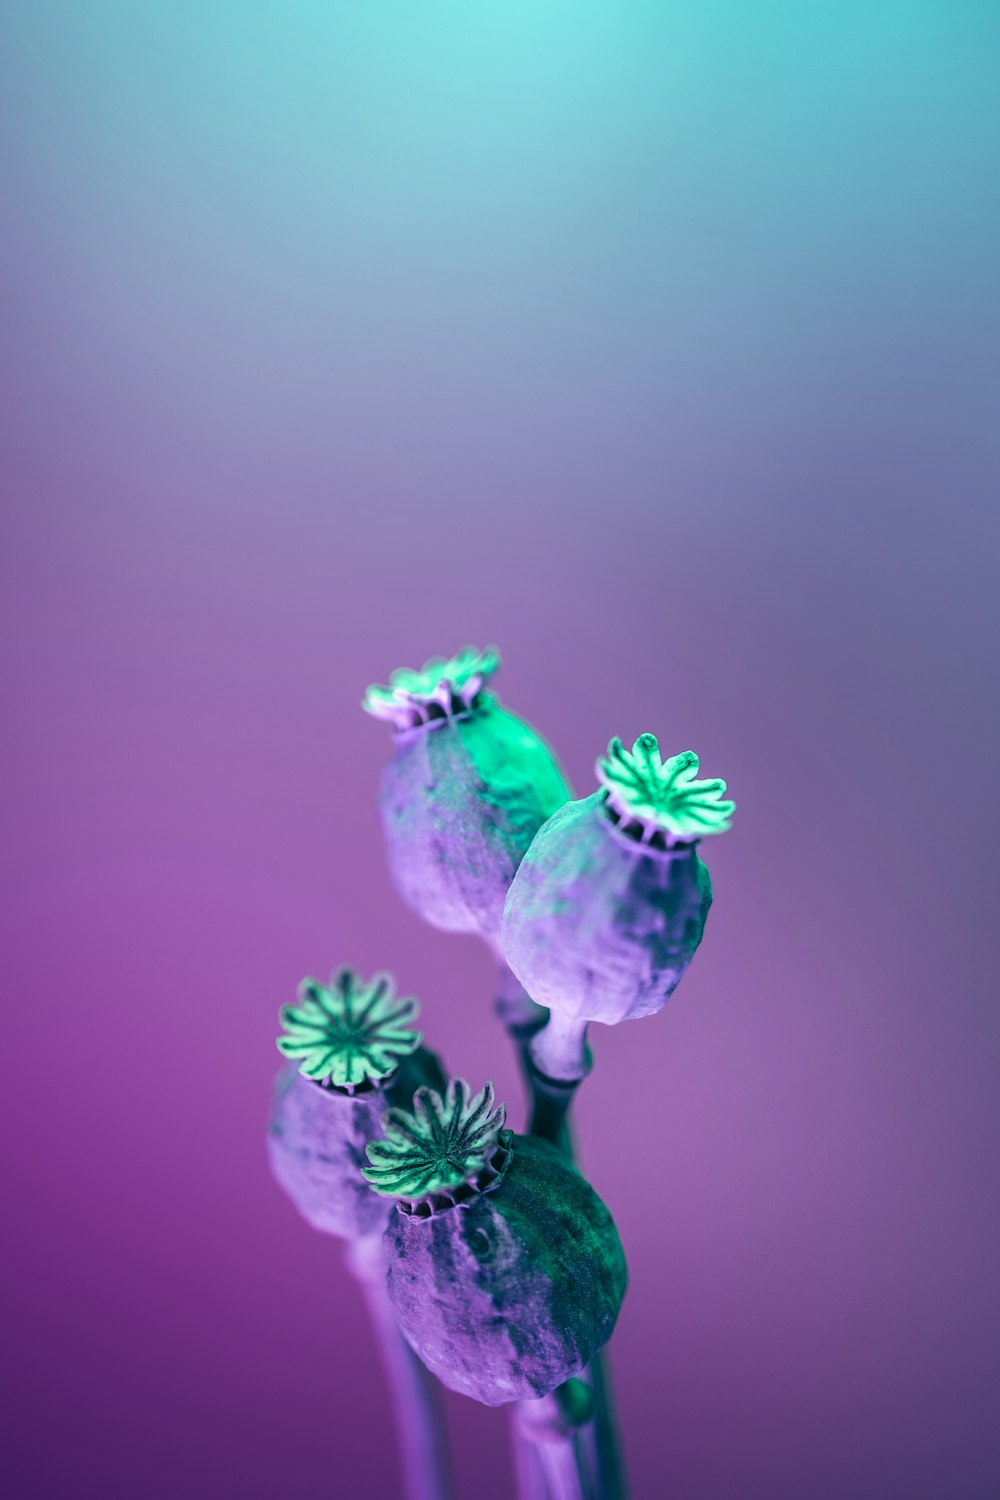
(657, 343)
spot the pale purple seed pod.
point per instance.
(465, 792)
(316, 1145)
(508, 1274)
(609, 904)
(352, 1056)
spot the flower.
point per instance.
(466, 789)
(437, 1145)
(663, 795)
(609, 904)
(348, 1035)
(507, 1275)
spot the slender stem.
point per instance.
(551, 1099)
(529, 1475)
(564, 1474)
(513, 1004)
(559, 1048)
(549, 1426)
(550, 1102)
(607, 1434)
(416, 1395)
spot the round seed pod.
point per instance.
(465, 792)
(504, 1267)
(351, 1055)
(609, 904)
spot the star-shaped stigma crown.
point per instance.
(353, 1033)
(441, 1144)
(439, 690)
(662, 796)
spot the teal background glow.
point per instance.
(657, 343)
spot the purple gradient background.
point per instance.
(658, 346)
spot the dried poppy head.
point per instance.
(609, 904)
(465, 791)
(352, 1052)
(504, 1267)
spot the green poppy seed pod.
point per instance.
(465, 792)
(505, 1269)
(609, 904)
(351, 1055)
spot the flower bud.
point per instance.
(465, 792)
(609, 904)
(351, 1054)
(504, 1267)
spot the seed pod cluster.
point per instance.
(503, 1267)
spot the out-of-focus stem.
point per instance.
(555, 1431)
(416, 1395)
(612, 1477)
(565, 1475)
(514, 1005)
(529, 1476)
(551, 1098)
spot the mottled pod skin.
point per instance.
(316, 1144)
(600, 927)
(461, 800)
(509, 1294)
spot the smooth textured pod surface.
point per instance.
(595, 926)
(461, 800)
(507, 1296)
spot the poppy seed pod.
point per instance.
(505, 1269)
(465, 792)
(351, 1054)
(609, 904)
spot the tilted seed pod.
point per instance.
(465, 792)
(505, 1268)
(609, 904)
(352, 1053)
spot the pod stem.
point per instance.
(529, 1474)
(612, 1478)
(597, 1445)
(552, 1452)
(559, 1049)
(418, 1406)
(550, 1104)
(565, 1475)
(513, 1005)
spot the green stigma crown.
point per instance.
(350, 1034)
(663, 795)
(441, 1144)
(439, 690)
